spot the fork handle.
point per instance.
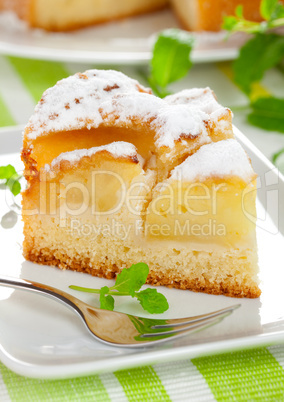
(45, 290)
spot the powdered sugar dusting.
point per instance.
(118, 149)
(222, 159)
(109, 97)
(176, 121)
(75, 102)
(201, 98)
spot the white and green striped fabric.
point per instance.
(253, 375)
(250, 375)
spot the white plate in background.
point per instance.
(128, 41)
(40, 338)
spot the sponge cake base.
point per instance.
(214, 270)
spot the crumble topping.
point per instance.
(98, 97)
(119, 149)
(220, 159)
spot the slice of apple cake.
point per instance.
(118, 176)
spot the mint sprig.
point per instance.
(258, 55)
(265, 50)
(106, 301)
(267, 113)
(272, 11)
(171, 59)
(10, 178)
(129, 283)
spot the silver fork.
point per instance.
(119, 329)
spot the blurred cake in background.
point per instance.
(64, 15)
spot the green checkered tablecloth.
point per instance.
(250, 375)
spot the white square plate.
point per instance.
(42, 339)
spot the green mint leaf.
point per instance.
(267, 8)
(128, 283)
(9, 174)
(280, 67)
(239, 11)
(171, 57)
(278, 13)
(106, 301)
(230, 23)
(278, 159)
(272, 12)
(158, 91)
(276, 156)
(14, 185)
(256, 56)
(267, 113)
(131, 279)
(152, 301)
(6, 172)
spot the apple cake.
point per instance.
(62, 15)
(118, 176)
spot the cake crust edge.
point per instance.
(110, 271)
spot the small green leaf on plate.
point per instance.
(106, 301)
(131, 279)
(152, 301)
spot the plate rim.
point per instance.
(101, 58)
(64, 371)
(100, 53)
